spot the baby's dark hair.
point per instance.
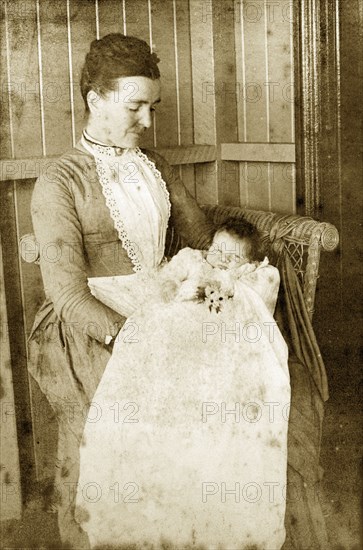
(241, 228)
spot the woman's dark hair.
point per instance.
(243, 229)
(115, 56)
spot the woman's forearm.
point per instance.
(63, 264)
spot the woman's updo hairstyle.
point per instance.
(115, 56)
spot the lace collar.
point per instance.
(102, 148)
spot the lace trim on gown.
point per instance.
(116, 215)
(102, 155)
(156, 173)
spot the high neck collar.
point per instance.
(103, 148)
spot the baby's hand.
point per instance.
(168, 290)
(188, 290)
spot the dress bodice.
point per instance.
(138, 201)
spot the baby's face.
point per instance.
(227, 251)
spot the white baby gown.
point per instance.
(186, 438)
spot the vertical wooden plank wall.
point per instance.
(204, 105)
(6, 147)
(10, 491)
(163, 36)
(264, 53)
(53, 42)
(226, 70)
(82, 29)
(110, 17)
(22, 79)
(184, 89)
(279, 30)
(14, 319)
(226, 98)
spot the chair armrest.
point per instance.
(301, 229)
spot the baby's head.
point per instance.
(235, 243)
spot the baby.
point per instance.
(236, 253)
(235, 243)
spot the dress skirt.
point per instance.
(67, 365)
(186, 438)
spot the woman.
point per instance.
(89, 208)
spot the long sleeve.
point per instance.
(186, 216)
(62, 258)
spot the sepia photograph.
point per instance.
(180, 266)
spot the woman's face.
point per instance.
(227, 251)
(121, 116)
